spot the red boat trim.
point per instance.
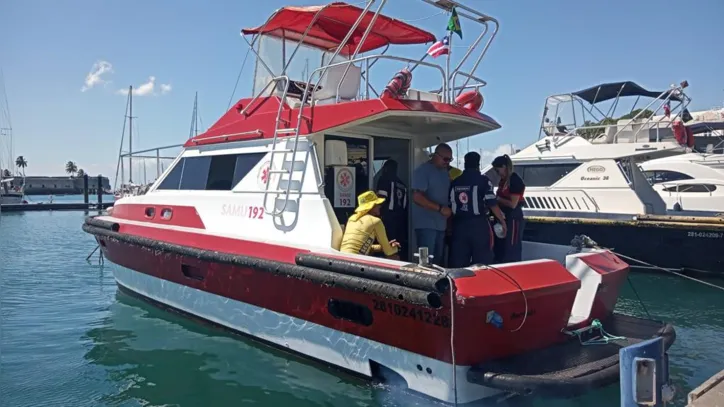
(176, 215)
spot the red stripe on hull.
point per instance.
(184, 216)
(417, 329)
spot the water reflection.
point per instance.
(154, 356)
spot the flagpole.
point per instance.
(447, 99)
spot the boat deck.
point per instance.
(570, 368)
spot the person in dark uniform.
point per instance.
(471, 196)
(510, 199)
(393, 212)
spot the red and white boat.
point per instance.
(243, 229)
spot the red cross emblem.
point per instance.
(265, 175)
(344, 179)
(463, 197)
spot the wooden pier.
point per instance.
(709, 394)
(86, 205)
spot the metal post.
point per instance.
(100, 191)
(85, 189)
(158, 163)
(130, 134)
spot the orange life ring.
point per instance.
(472, 100)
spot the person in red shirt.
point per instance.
(510, 199)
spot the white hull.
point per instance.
(347, 351)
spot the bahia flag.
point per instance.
(441, 47)
(453, 25)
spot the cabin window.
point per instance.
(543, 175)
(655, 177)
(210, 173)
(692, 188)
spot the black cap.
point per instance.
(472, 160)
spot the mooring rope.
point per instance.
(452, 338)
(595, 324)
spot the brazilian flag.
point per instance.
(454, 24)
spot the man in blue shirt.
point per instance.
(430, 186)
(471, 196)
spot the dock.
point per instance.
(86, 205)
(708, 394)
(58, 206)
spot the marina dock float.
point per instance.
(58, 206)
(708, 394)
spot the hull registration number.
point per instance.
(706, 235)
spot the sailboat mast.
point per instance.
(196, 114)
(130, 134)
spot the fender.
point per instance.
(679, 132)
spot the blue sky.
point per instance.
(544, 47)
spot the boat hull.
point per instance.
(363, 325)
(350, 352)
(689, 249)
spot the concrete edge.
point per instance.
(706, 386)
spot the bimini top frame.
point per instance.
(565, 117)
(345, 31)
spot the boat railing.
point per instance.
(366, 59)
(445, 94)
(634, 125)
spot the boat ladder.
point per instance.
(290, 165)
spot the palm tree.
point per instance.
(71, 168)
(80, 173)
(21, 163)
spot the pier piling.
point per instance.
(100, 191)
(85, 188)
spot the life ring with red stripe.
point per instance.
(398, 85)
(471, 100)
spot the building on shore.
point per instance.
(38, 185)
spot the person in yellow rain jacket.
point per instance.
(365, 227)
(454, 172)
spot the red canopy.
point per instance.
(333, 24)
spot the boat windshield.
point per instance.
(275, 52)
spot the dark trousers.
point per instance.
(471, 242)
(510, 248)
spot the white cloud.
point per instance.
(147, 88)
(94, 76)
(165, 88)
(486, 156)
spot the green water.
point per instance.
(67, 338)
